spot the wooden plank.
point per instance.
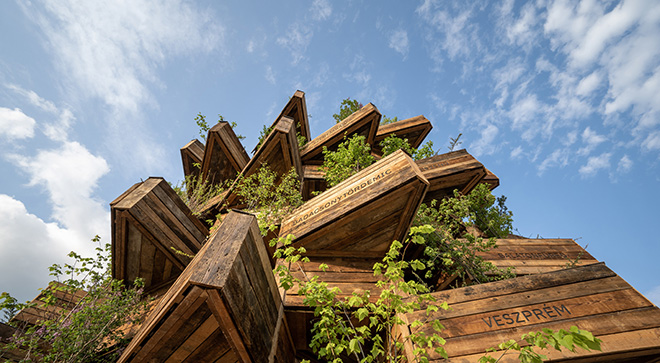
(414, 129)
(133, 253)
(193, 342)
(296, 109)
(453, 170)
(192, 155)
(224, 156)
(229, 327)
(354, 201)
(183, 214)
(362, 122)
(491, 179)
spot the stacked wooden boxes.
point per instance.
(153, 233)
(591, 297)
(224, 307)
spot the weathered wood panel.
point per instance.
(453, 170)
(313, 181)
(296, 108)
(224, 156)
(591, 297)
(362, 214)
(414, 129)
(192, 155)
(65, 301)
(531, 256)
(362, 122)
(279, 152)
(223, 307)
(491, 179)
(149, 223)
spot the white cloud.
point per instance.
(591, 139)
(652, 142)
(588, 84)
(594, 164)
(70, 174)
(625, 164)
(321, 9)
(399, 42)
(270, 75)
(484, 146)
(14, 124)
(296, 40)
(28, 245)
(34, 98)
(517, 152)
(559, 157)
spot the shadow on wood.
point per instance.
(413, 129)
(453, 170)
(224, 156)
(150, 223)
(362, 215)
(191, 157)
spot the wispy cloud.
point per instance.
(321, 9)
(296, 40)
(399, 42)
(594, 164)
(591, 140)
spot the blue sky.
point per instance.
(560, 99)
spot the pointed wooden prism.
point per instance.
(362, 122)
(591, 297)
(224, 156)
(491, 179)
(150, 224)
(413, 129)
(296, 108)
(224, 307)
(362, 215)
(453, 170)
(191, 157)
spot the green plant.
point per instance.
(84, 327)
(351, 156)
(545, 339)
(393, 143)
(354, 326)
(204, 127)
(454, 142)
(346, 108)
(269, 197)
(388, 120)
(452, 250)
(196, 192)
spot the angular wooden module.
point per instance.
(349, 274)
(296, 108)
(191, 154)
(533, 256)
(224, 307)
(413, 129)
(224, 156)
(313, 181)
(591, 297)
(491, 179)
(279, 151)
(453, 170)
(150, 222)
(363, 214)
(362, 122)
(65, 301)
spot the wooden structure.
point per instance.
(150, 223)
(224, 156)
(533, 256)
(296, 109)
(363, 214)
(224, 307)
(414, 129)
(279, 151)
(491, 179)
(453, 170)
(591, 297)
(362, 122)
(313, 181)
(64, 301)
(192, 155)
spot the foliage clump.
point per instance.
(347, 108)
(84, 328)
(393, 143)
(351, 156)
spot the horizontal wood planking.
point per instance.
(414, 129)
(147, 223)
(224, 156)
(591, 297)
(453, 170)
(537, 255)
(362, 122)
(192, 155)
(222, 307)
(390, 189)
(313, 181)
